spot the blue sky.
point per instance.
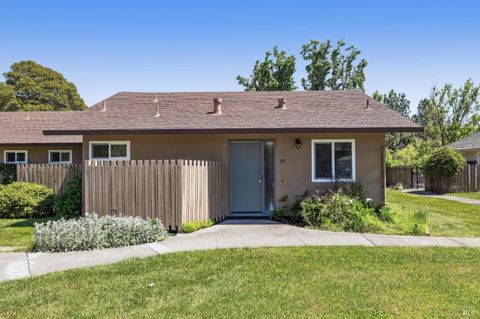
(110, 46)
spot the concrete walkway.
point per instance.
(448, 197)
(229, 234)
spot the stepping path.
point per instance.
(229, 234)
(448, 197)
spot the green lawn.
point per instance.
(473, 195)
(302, 282)
(18, 232)
(444, 217)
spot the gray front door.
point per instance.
(246, 177)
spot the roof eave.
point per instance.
(415, 129)
(40, 144)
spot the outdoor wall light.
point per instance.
(298, 144)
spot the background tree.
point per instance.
(443, 162)
(8, 100)
(333, 68)
(274, 73)
(31, 87)
(399, 103)
(450, 113)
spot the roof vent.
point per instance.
(156, 98)
(28, 116)
(158, 112)
(104, 109)
(368, 105)
(282, 104)
(217, 106)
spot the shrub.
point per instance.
(338, 211)
(19, 199)
(318, 211)
(443, 162)
(356, 190)
(194, 226)
(69, 203)
(362, 220)
(8, 173)
(92, 232)
(385, 213)
(288, 216)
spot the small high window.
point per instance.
(333, 160)
(110, 150)
(60, 157)
(15, 157)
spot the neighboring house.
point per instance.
(274, 143)
(22, 140)
(469, 147)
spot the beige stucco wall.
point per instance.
(293, 166)
(471, 155)
(39, 154)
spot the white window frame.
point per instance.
(110, 143)
(60, 151)
(332, 142)
(15, 151)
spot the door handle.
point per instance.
(259, 181)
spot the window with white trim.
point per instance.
(116, 150)
(333, 160)
(60, 157)
(15, 157)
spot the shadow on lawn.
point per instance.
(31, 221)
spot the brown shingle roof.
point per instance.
(27, 128)
(241, 111)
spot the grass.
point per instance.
(18, 233)
(301, 282)
(473, 195)
(443, 217)
(191, 227)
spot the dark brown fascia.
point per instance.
(418, 129)
(40, 144)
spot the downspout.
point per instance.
(384, 174)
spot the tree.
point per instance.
(275, 73)
(450, 113)
(8, 100)
(333, 68)
(443, 162)
(399, 103)
(396, 101)
(31, 87)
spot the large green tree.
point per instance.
(396, 101)
(399, 103)
(274, 73)
(30, 86)
(450, 113)
(334, 68)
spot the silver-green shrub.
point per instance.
(93, 232)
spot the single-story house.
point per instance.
(273, 143)
(22, 140)
(469, 147)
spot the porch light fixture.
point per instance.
(298, 144)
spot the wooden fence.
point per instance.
(51, 175)
(175, 191)
(467, 180)
(408, 176)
